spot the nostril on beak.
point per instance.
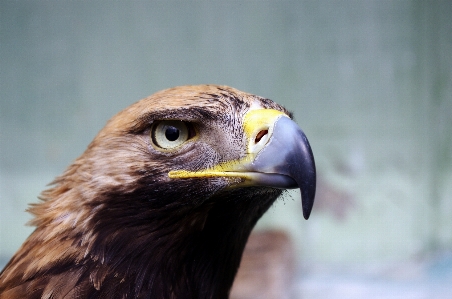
(260, 135)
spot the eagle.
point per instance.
(163, 200)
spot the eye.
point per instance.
(169, 134)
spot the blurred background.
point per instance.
(370, 83)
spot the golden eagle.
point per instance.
(161, 203)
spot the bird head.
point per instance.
(217, 135)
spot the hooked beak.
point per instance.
(278, 155)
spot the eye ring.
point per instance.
(169, 134)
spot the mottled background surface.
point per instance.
(370, 82)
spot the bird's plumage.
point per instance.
(115, 225)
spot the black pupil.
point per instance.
(172, 133)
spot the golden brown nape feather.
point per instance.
(114, 225)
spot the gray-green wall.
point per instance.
(370, 82)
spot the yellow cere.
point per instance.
(254, 122)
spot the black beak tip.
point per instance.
(308, 182)
(307, 201)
